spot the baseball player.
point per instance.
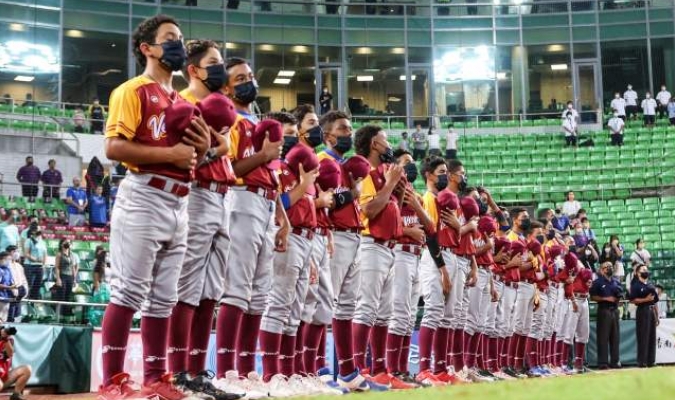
(201, 280)
(539, 304)
(555, 264)
(255, 206)
(150, 220)
(577, 321)
(566, 278)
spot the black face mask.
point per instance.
(315, 136)
(66, 246)
(215, 77)
(482, 207)
(410, 172)
(551, 235)
(343, 144)
(388, 156)
(173, 55)
(463, 183)
(442, 182)
(245, 93)
(289, 143)
(644, 275)
(525, 225)
(541, 239)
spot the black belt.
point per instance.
(348, 230)
(607, 305)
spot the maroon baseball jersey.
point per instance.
(241, 147)
(409, 218)
(302, 214)
(479, 240)
(346, 217)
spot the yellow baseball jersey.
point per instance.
(368, 193)
(188, 96)
(429, 203)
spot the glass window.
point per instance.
(550, 77)
(508, 105)
(241, 50)
(624, 62)
(663, 55)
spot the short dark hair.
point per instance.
(584, 219)
(454, 165)
(363, 138)
(196, 50)
(146, 32)
(638, 241)
(534, 225)
(4, 254)
(516, 211)
(430, 164)
(51, 160)
(326, 121)
(283, 117)
(398, 153)
(300, 111)
(581, 211)
(232, 62)
(11, 248)
(27, 157)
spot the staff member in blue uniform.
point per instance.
(607, 292)
(643, 295)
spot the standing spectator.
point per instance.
(663, 98)
(98, 209)
(586, 224)
(29, 101)
(612, 251)
(616, 126)
(78, 121)
(607, 292)
(325, 100)
(569, 124)
(403, 144)
(451, 143)
(21, 284)
(9, 232)
(631, 98)
(29, 177)
(76, 198)
(649, 110)
(434, 143)
(561, 223)
(51, 182)
(571, 207)
(6, 285)
(100, 265)
(95, 174)
(663, 304)
(640, 255)
(671, 110)
(419, 143)
(619, 104)
(29, 231)
(97, 117)
(35, 253)
(65, 271)
(644, 296)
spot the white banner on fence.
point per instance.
(665, 342)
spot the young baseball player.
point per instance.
(538, 306)
(495, 316)
(380, 197)
(150, 220)
(577, 321)
(255, 206)
(566, 277)
(554, 264)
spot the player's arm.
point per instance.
(305, 181)
(57, 269)
(451, 220)
(488, 246)
(373, 205)
(469, 227)
(412, 199)
(8, 349)
(281, 238)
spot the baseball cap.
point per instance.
(517, 247)
(178, 117)
(535, 247)
(358, 166)
(329, 175)
(571, 261)
(269, 126)
(218, 111)
(301, 154)
(555, 251)
(502, 243)
(469, 207)
(487, 225)
(586, 274)
(447, 200)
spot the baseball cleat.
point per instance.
(121, 387)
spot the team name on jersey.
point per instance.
(480, 242)
(410, 220)
(156, 126)
(249, 151)
(341, 189)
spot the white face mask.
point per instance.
(569, 106)
(630, 87)
(648, 96)
(616, 96)
(616, 114)
(663, 88)
(17, 256)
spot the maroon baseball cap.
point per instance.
(329, 174)
(502, 244)
(301, 154)
(270, 126)
(571, 261)
(487, 225)
(358, 166)
(556, 251)
(586, 274)
(178, 117)
(447, 200)
(218, 111)
(518, 247)
(469, 207)
(535, 247)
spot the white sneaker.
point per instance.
(474, 376)
(278, 386)
(321, 387)
(231, 383)
(301, 386)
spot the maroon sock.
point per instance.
(228, 326)
(521, 352)
(530, 353)
(493, 354)
(504, 352)
(405, 352)
(155, 335)
(547, 349)
(470, 348)
(579, 352)
(552, 349)
(179, 336)
(312, 342)
(565, 354)
(450, 356)
(394, 350)
(541, 355)
(440, 349)
(114, 337)
(270, 345)
(247, 343)
(458, 349)
(200, 333)
(361, 334)
(342, 331)
(378, 346)
(287, 355)
(321, 353)
(426, 339)
(512, 349)
(463, 351)
(481, 353)
(299, 358)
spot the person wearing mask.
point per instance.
(561, 222)
(648, 110)
(569, 124)
(671, 110)
(9, 232)
(51, 182)
(100, 265)
(631, 97)
(325, 100)
(586, 224)
(451, 143)
(403, 144)
(6, 285)
(663, 98)
(96, 115)
(663, 305)
(619, 104)
(419, 142)
(640, 255)
(76, 198)
(95, 174)
(607, 292)
(613, 252)
(434, 143)
(571, 207)
(65, 271)
(98, 209)
(20, 283)
(616, 126)
(29, 177)
(643, 294)
(35, 254)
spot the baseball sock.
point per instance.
(461, 351)
(361, 334)
(471, 348)
(179, 336)
(114, 337)
(378, 348)
(565, 354)
(321, 352)
(426, 339)
(579, 352)
(493, 354)
(246, 343)
(481, 351)
(519, 360)
(287, 355)
(405, 351)
(504, 352)
(200, 334)
(299, 357)
(342, 331)
(531, 351)
(394, 350)
(541, 354)
(512, 350)
(154, 334)
(270, 343)
(312, 342)
(228, 326)
(440, 348)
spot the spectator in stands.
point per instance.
(51, 182)
(76, 198)
(643, 294)
(631, 98)
(21, 284)
(640, 255)
(61, 217)
(29, 101)
(616, 126)
(612, 251)
(325, 100)
(451, 143)
(35, 259)
(649, 110)
(580, 239)
(434, 141)
(6, 285)
(78, 121)
(576, 219)
(571, 207)
(96, 116)
(29, 177)
(7, 99)
(9, 232)
(664, 304)
(586, 224)
(569, 124)
(65, 271)
(663, 98)
(95, 174)
(671, 110)
(419, 144)
(33, 226)
(561, 223)
(99, 267)
(619, 104)
(98, 209)
(403, 144)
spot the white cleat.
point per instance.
(279, 387)
(248, 388)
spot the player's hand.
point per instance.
(575, 307)
(183, 156)
(473, 278)
(355, 186)
(313, 273)
(500, 257)
(610, 299)
(569, 280)
(494, 295)
(330, 247)
(271, 150)
(307, 178)
(410, 198)
(650, 297)
(449, 218)
(446, 284)
(324, 199)
(472, 224)
(281, 239)
(223, 139)
(393, 174)
(198, 136)
(417, 233)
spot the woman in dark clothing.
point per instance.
(95, 174)
(65, 271)
(643, 294)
